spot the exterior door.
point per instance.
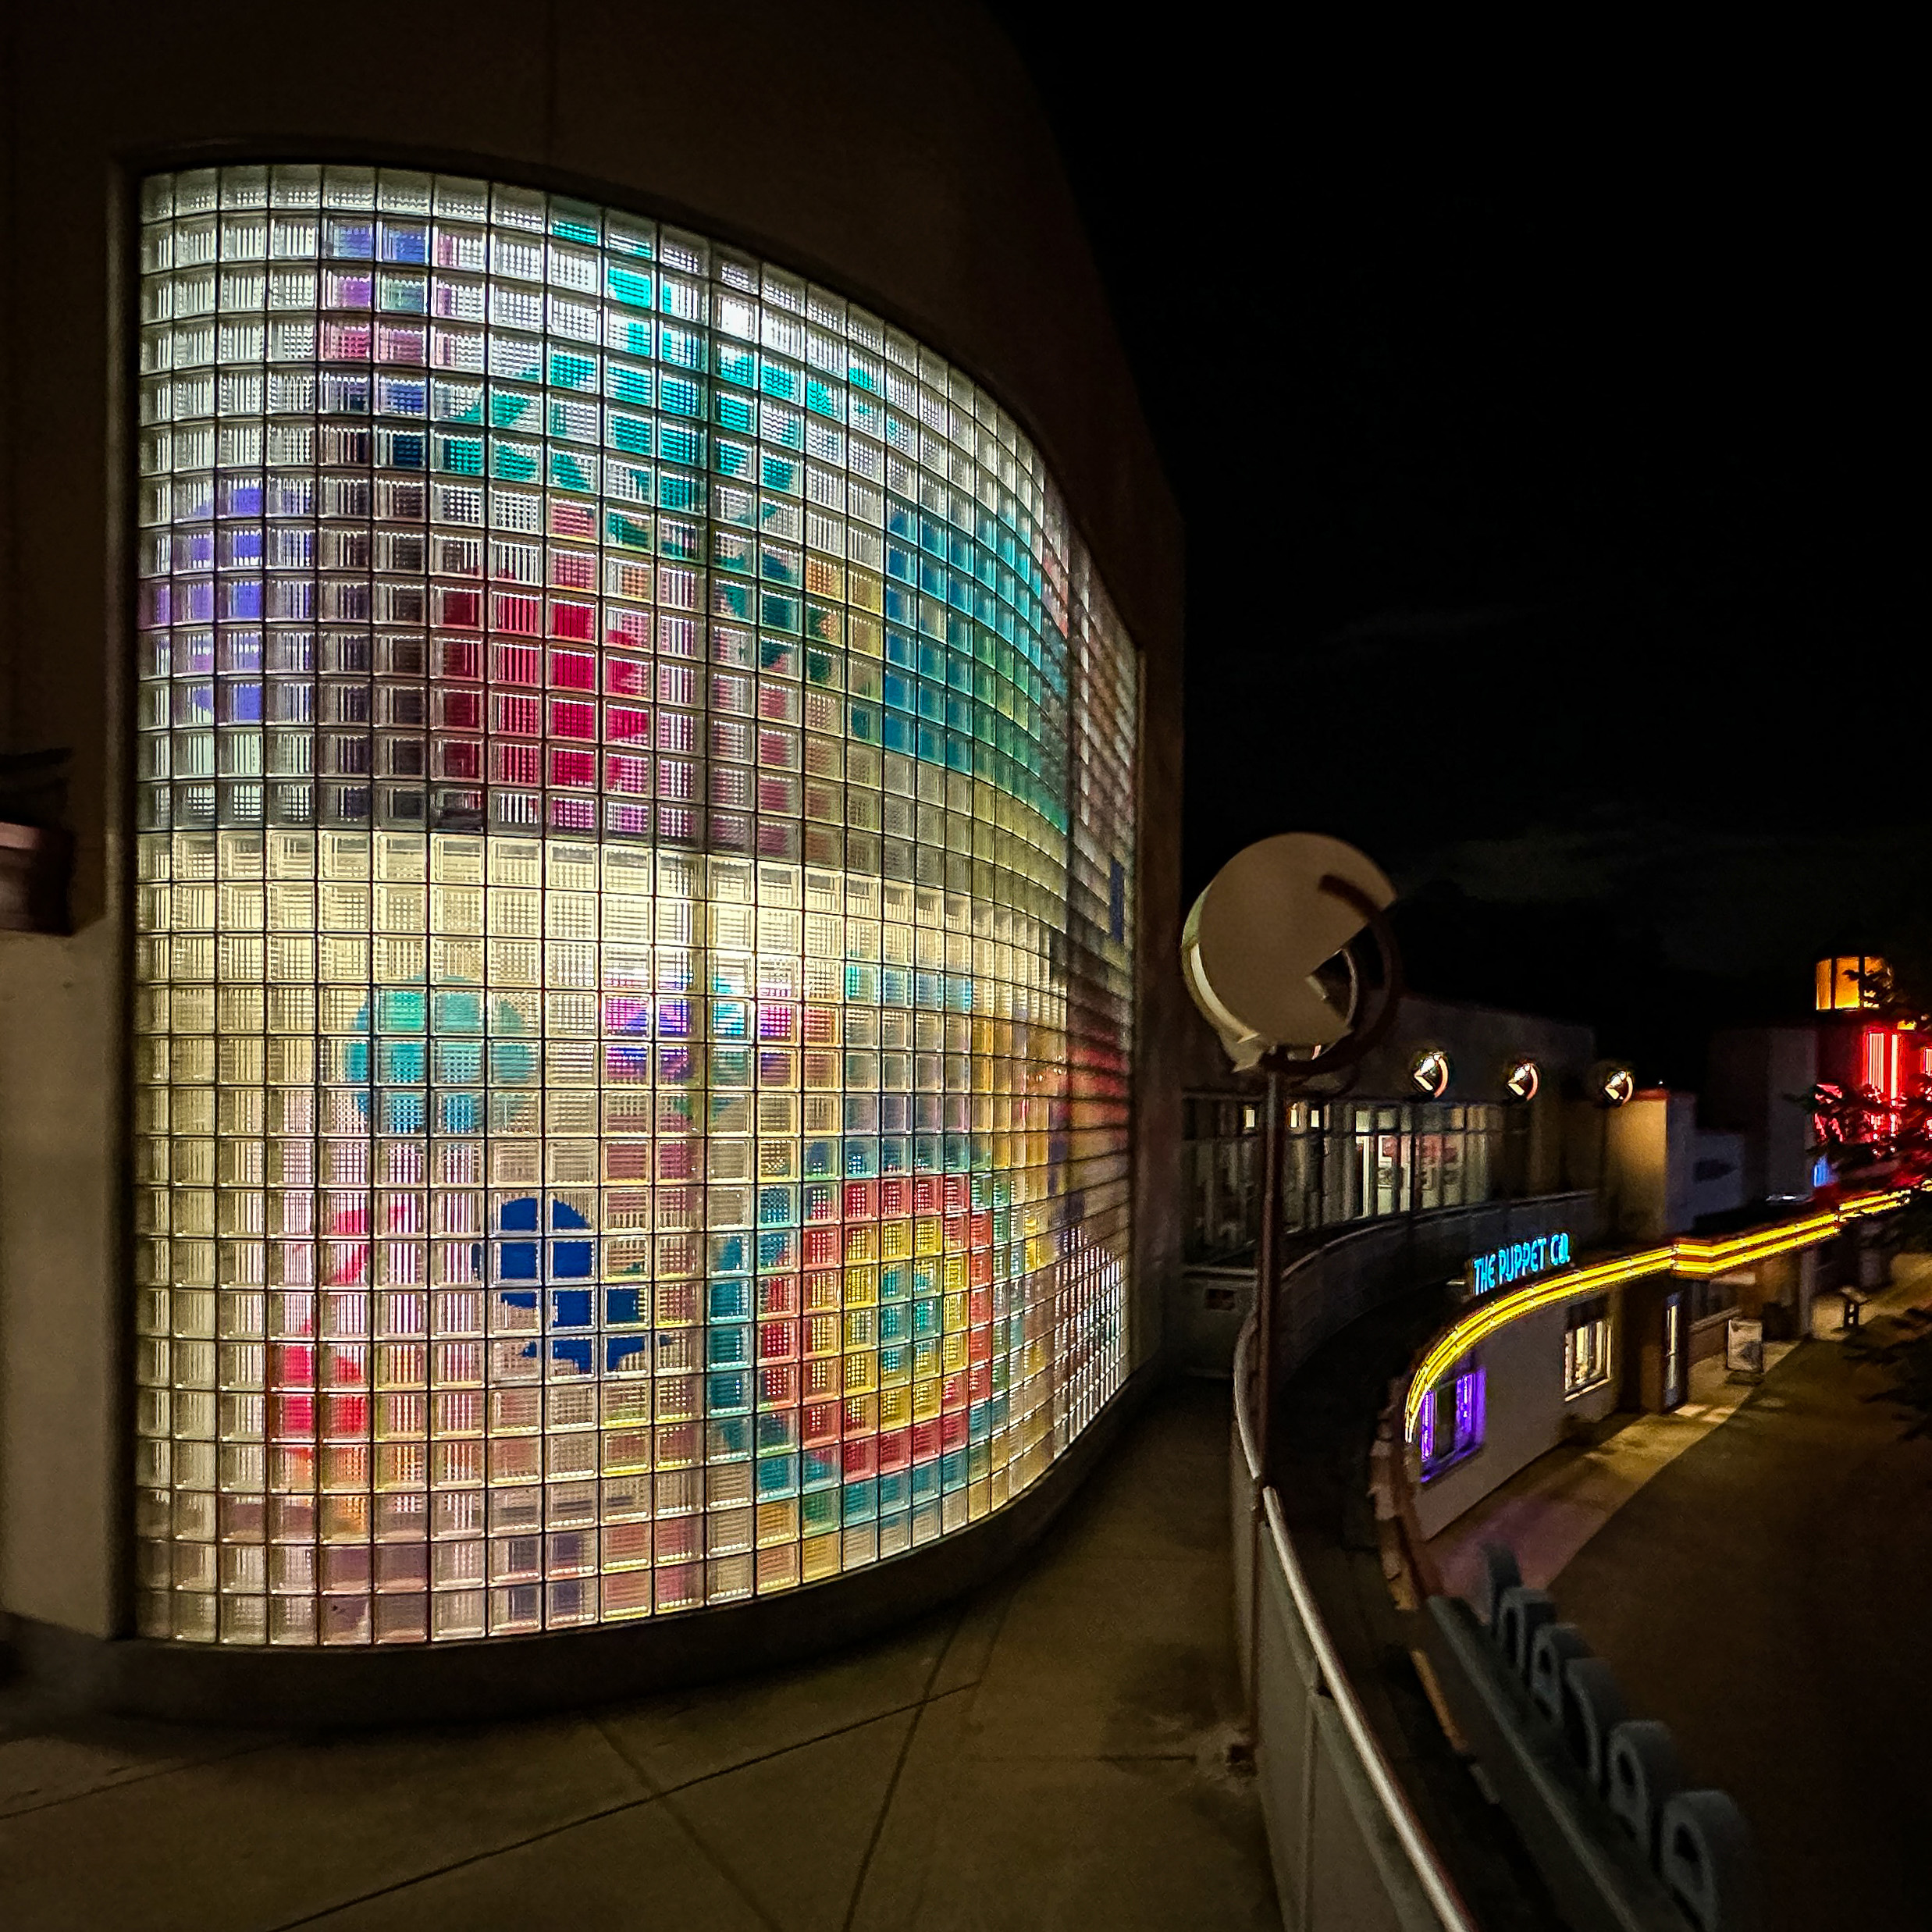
(1676, 1347)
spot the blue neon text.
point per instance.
(1519, 1259)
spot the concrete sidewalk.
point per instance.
(1768, 1594)
(1048, 1754)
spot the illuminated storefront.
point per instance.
(635, 803)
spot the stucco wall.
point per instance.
(896, 153)
(1526, 1414)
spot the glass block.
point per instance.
(637, 784)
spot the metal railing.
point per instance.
(1366, 1862)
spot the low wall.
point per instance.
(1322, 1292)
(1346, 1846)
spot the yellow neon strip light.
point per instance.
(1689, 1254)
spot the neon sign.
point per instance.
(1519, 1259)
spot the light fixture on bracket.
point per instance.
(1429, 1072)
(1611, 1084)
(1522, 1079)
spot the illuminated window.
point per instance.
(636, 787)
(1849, 982)
(1453, 1417)
(1586, 1345)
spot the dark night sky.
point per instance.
(1549, 478)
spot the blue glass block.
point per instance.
(727, 1347)
(516, 1260)
(777, 1432)
(576, 1350)
(457, 1012)
(573, 1260)
(861, 1502)
(631, 385)
(404, 1061)
(459, 1113)
(978, 1424)
(570, 1308)
(818, 1511)
(924, 1481)
(777, 1476)
(895, 1491)
(626, 1305)
(728, 1301)
(727, 1392)
(677, 444)
(817, 1468)
(627, 286)
(727, 1253)
(952, 1469)
(622, 1352)
(778, 1206)
(519, 1297)
(861, 1158)
(511, 462)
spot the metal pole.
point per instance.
(1266, 1269)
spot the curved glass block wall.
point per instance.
(633, 955)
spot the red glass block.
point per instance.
(573, 620)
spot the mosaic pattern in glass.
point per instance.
(634, 978)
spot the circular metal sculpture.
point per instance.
(1255, 939)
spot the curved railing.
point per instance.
(1376, 1861)
(1368, 1861)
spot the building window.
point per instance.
(1453, 1417)
(1586, 1349)
(635, 916)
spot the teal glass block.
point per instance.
(630, 286)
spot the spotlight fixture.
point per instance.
(1430, 1073)
(1611, 1084)
(1522, 1080)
